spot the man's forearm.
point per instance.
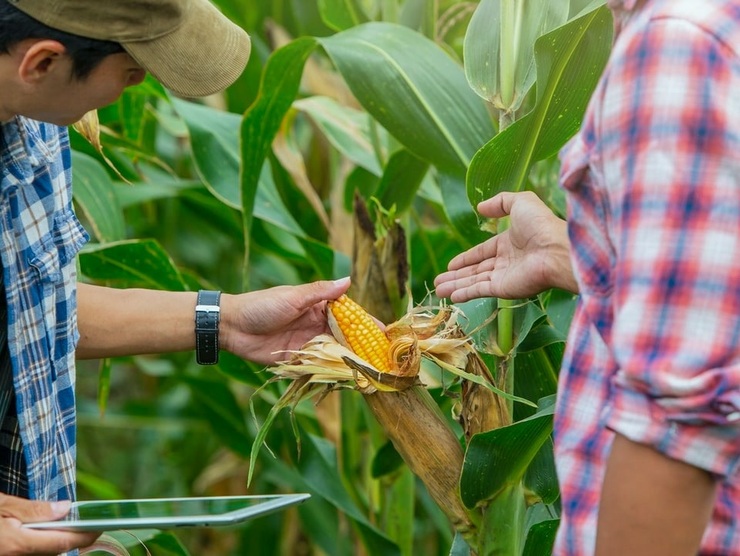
(652, 505)
(115, 322)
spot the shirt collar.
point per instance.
(621, 11)
(24, 141)
(621, 5)
(22, 150)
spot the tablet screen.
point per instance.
(163, 513)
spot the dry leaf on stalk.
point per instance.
(89, 127)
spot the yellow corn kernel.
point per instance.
(361, 333)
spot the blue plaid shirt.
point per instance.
(40, 239)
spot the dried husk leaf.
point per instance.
(482, 409)
(89, 127)
(369, 287)
(393, 259)
(383, 382)
(323, 360)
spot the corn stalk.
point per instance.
(410, 417)
(385, 368)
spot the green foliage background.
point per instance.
(251, 189)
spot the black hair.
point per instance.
(85, 53)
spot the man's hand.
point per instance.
(262, 325)
(115, 322)
(17, 541)
(528, 258)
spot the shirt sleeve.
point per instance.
(670, 135)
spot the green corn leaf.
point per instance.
(536, 377)
(214, 138)
(499, 47)
(458, 210)
(401, 180)
(94, 193)
(414, 90)
(278, 90)
(222, 411)
(140, 193)
(104, 385)
(541, 538)
(347, 129)
(580, 7)
(541, 477)
(132, 263)
(386, 460)
(166, 544)
(499, 459)
(459, 546)
(322, 473)
(342, 14)
(569, 62)
(214, 142)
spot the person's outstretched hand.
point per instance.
(262, 325)
(528, 258)
(18, 541)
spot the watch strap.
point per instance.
(207, 318)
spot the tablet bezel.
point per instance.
(268, 504)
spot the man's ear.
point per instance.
(41, 58)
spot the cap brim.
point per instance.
(206, 54)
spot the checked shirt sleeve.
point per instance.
(671, 159)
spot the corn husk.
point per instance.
(483, 409)
(379, 263)
(420, 433)
(397, 399)
(424, 332)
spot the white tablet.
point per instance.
(167, 513)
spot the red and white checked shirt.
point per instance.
(653, 183)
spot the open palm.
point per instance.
(528, 258)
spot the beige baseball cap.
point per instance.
(188, 45)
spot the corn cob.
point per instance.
(355, 328)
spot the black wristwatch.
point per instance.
(207, 317)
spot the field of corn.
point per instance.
(357, 143)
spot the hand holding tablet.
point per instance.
(167, 513)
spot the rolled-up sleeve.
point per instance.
(671, 159)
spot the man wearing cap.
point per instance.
(60, 59)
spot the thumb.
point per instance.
(497, 206)
(323, 290)
(32, 510)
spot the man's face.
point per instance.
(63, 99)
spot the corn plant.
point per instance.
(410, 107)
